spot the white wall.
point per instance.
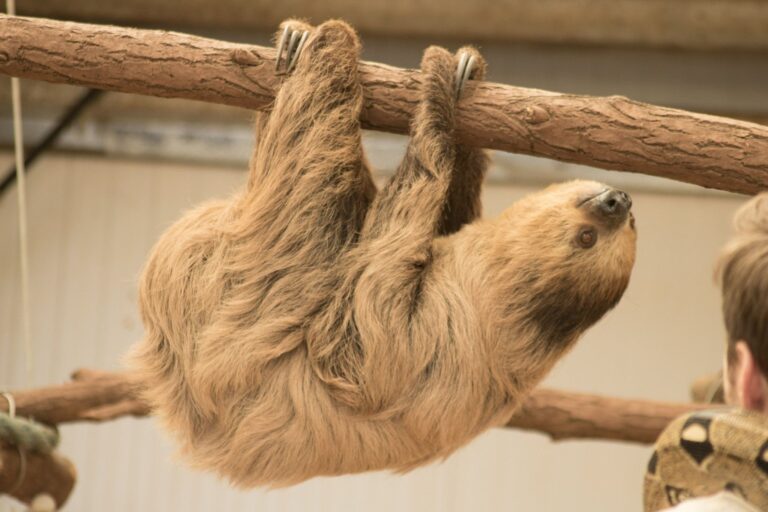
(92, 222)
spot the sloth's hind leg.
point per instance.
(309, 182)
(303, 210)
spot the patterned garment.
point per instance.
(705, 453)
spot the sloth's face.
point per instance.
(570, 249)
(587, 213)
(573, 224)
(605, 211)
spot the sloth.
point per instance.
(314, 325)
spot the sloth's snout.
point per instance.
(614, 203)
(611, 206)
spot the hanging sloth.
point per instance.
(311, 325)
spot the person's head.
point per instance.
(742, 273)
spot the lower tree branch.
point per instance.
(36, 474)
(567, 415)
(101, 396)
(609, 132)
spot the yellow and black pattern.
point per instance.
(706, 452)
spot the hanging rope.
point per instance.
(27, 434)
(18, 139)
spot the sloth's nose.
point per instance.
(614, 204)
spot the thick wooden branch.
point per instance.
(609, 132)
(36, 474)
(567, 415)
(101, 396)
(85, 398)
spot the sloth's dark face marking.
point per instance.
(561, 311)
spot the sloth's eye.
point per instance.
(587, 237)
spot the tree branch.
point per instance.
(101, 396)
(38, 473)
(609, 132)
(567, 415)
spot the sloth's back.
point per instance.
(230, 377)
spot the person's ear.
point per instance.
(750, 385)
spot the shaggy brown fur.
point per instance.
(310, 326)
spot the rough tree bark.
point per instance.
(102, 396)
(610, 132)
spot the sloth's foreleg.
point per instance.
(399, 231)
(463, 201)
(436, 188)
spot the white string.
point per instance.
(11, 403)
(21, 187)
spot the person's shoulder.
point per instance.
(720, 502)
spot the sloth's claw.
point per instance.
(464, 71)
(288, 49)
(280, 47)
(297, 51)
